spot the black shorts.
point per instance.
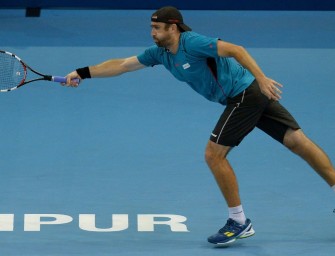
(248, 110)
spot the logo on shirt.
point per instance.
(186, 66)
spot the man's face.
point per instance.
(161, 33)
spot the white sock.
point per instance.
(333, 188)
(237, 214)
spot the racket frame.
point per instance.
(25, 67)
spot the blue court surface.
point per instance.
(116, 166)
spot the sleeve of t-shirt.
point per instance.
(150, 56)
(200, 45)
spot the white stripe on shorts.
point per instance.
(237, 105)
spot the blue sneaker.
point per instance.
(232, 231)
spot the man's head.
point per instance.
(170, 15)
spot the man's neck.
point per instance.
(173, 48)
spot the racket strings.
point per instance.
(12, 72)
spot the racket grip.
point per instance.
(61, 79)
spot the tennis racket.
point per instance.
(14, 73)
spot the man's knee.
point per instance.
(215, 152)
(295, 140)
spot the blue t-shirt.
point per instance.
(191, 64)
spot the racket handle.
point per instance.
(61, 79)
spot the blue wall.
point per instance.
(181, 4)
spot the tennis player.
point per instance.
(224, 73)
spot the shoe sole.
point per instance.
(248, 233)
